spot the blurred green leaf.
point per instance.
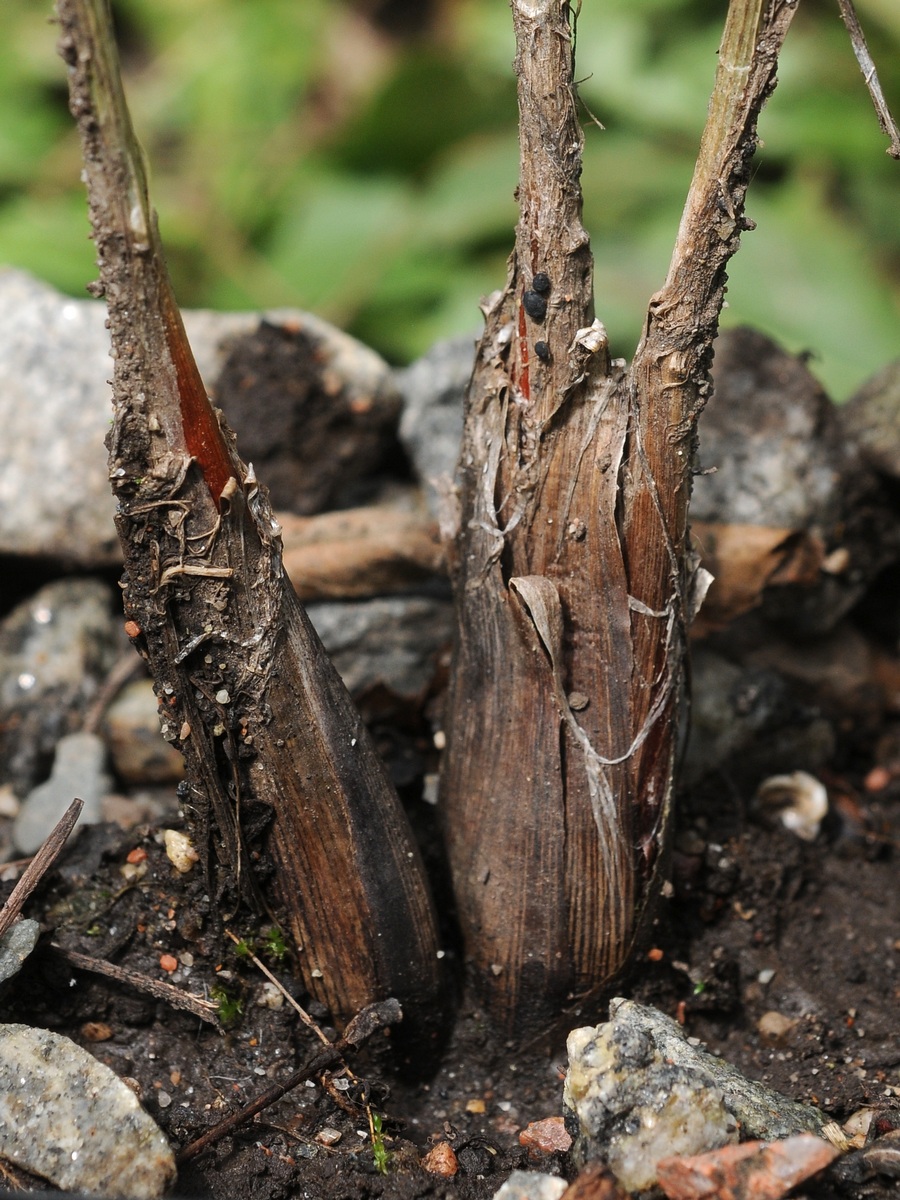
(815, 284)
(303, 154)
(50, 236)
(333, 245)
(429, 102)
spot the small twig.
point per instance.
(324, 1058)
(326, 1079)
(870, 75)
(39, 865)
(301, 1012)
(363, 1025)
(206, 1010)
(121, 671)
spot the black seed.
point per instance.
(541, 283)
(542, 350)
(535, 306)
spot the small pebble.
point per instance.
(547, 1136)
(441, 1160)
(96, 1031)
(775, 1025)
(15, 946)
(531, 1185)
(328, 1136)
(77, 771)
(132, 872)
(168, 962)
(180, 851)
(9, 801)
(877, 779)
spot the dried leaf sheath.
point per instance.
(266, 726)
(573, 578)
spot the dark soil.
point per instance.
(759, 922)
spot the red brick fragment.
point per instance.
(595, 1182)
(752, 1171)
(546, 1137)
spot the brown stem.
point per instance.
(870, 75)
(268, 731)
(572, 576)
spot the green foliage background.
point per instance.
(359, 159)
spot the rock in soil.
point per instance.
(77, 771)
(790, 517)
(531, 1185)
(55, 498)
(637, 1091)
(316, 435)
(872, 417)
(15, 946)
(139, 753)
(392, 640)
(69, 1119)
(55, 650)
(433, 388)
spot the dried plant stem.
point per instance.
(870, 75)
(206, 1010)
(50, 850)
(572, 573)
(269, 733)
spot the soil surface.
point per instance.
(759, 922)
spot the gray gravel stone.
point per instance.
(392, 640)
(783, 459)
(77, 772)
(15, 946)
(638, 1091)
(433, 388)
(54, 412)
(747, 720)
(774, 438)
(55, 650)
(68, 1118)
(531, 1185)
(872, 417)
(55, 409)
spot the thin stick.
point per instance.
(39, 865)
(301, 1012)
(123, 668)
(870, 75)
(363, 1025)
(319, 1061)
(206, 1010)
